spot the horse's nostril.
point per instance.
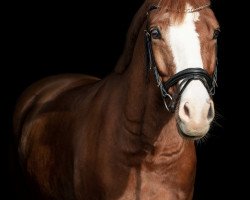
(186, 109)
(210, 114)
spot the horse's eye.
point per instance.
(216, 33)
(155, 33)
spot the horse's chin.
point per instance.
(189, 136)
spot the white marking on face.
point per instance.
(185, 45)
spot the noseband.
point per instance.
(184, 77)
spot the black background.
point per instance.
(43, 39)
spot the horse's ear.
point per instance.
(132, 35)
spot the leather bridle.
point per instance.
(183, 77)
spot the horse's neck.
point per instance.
(138, 90)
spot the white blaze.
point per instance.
(185, 46)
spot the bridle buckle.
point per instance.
(167, 96)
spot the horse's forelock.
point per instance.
(178, 7)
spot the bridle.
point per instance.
(184, 77)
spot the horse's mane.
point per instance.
(177, 7)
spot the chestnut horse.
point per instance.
(129, 136)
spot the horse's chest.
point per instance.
(152, 186)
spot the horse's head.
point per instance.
(181, 50)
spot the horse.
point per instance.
(130, 135)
